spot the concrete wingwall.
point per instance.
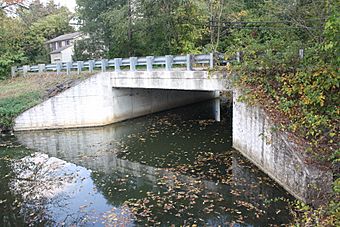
(94, 102)
(281, 158)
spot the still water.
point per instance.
(172, 168)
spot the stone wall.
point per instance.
(277, 155)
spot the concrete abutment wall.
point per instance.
(277, 155)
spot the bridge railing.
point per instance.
(188, 61)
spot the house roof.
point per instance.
(60, 49)
(65, 37)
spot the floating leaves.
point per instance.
(172, 171)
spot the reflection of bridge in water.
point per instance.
(96, 149)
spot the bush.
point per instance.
(11, 107)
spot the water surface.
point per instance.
(175, 167)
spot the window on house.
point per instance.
(56, 59)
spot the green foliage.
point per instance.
(86, 49)
(332, 34)
(9, 59)
(142, 28)
(42, 30)
(325, 215)
(12, 106)
(303, 92)
(37, 11)
(11, 37)
(301, 95)
(22, 39)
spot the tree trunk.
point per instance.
(129, 28)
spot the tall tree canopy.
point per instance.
(131, 27)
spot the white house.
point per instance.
(62, 47)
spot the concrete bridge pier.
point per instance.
(217, 109)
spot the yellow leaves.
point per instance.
(238, 15)
(229, 68)
(313, 98)
(322, 99)
(301, 90)
(242, 13)
(306, 100)
(294, 127)
(318, 73)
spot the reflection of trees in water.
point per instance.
(41, 182)
(9, 210)
(9, 203)
(55, 192)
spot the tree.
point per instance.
(44, 23)
(143, 27)
(11, 6)
(11, 37)
(38, 10)
(22, 38)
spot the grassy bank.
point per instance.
(22, 93)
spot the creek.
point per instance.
(171, 168)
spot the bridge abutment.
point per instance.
(278, 154)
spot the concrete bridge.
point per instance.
(110, 97)
(127, 92)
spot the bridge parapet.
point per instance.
(187, 62)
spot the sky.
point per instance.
(71, 4)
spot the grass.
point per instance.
(21, 93)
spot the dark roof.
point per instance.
(60, 49)
(65, 37)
